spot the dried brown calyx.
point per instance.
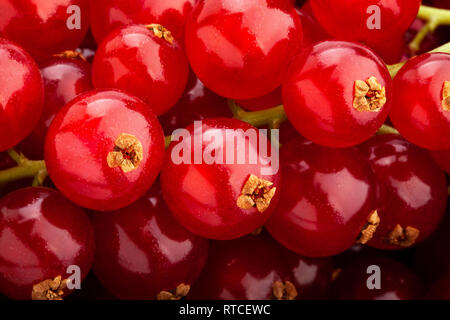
(180, 292)
(257, 193)
(257, 231)
(370, 95)
(369, 229)
(71, 55)
(50, 289)
(284, 290)
(127, 153)
(403, 237)
(446, 96)
(160, 32)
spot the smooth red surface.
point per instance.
(107, 15)
(64, 79)
(21, 94)
(196, 103)
(142, 249)
(235, 271)
(417, 111)
(40, 26)
(398, 281)
(327, 197)
(312, 30)
(41, 234)
(270, 100)
(203, 196)
(442, 158)
(80, 138)
(441, 289)
(413, 189)
(242, 49)
(133, 59)
(349, 20)
(318, 95)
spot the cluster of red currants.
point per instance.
(96, 101)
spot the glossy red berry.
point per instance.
(41, 235)
(41, 26)
(64, 79)
(270, 100)
(197, 103)
(142, 250)
(338, 93)
(376, 277)
(219, 184)
(104, 149)
(234, 271)
(421, 110)
(365, 20)
(316, 216)
(312, 30)
(107, 15)
(21, 94)
(145, 61)
(413, 192)
(242, 49)
(442, 158)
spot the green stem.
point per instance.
(25, 169)
(385, 129)
(258, 118)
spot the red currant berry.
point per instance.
(421, 109)
(315, 216)
(144, 253)
(440, 290)
(64, 79)
(270, 100)
(104, 149)
(42, 26)
(107, 15)
(365, 20)
(197, 103)
(312, 30)
(21, 94)
(442, 158)
(338, 94)
(145, 61)
(222, 187)
(41, 235)
(413, 192)
(234, 271)
(375, 277)
(242, 50)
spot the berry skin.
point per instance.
(421, 109)
(197, 103)
(107, 15)
(64, 79)
(211, 199)
(142, 250)
(234, 271)
(40, 26)
(350, 19)
(242, 50)
(315, 216)
(104, 149)
(312, 30)
(442, 158)
(42, 234)
(413, 192)
(440, 290)
(270, 100)
(144, 62)
(338, 94)
(21, 94)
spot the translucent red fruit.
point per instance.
(107, 15)
(218, 180)
(421, 110)
(442, 158)
(270, 100)
(234, 271)
(42, 26)
(338, 94)
(42, 234)
(365, 20)
(64, 79)
(21, 94)
(142, 250)
(104, 149)
(197, 103)
(242, 50)
(413, 192)
(376, 277)
(328, 196)
(312, 30)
